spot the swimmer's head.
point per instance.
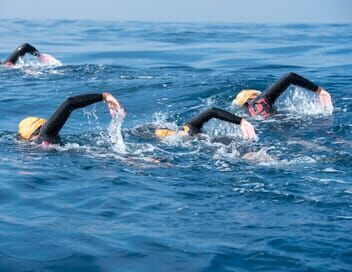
(164, 132)
(30, 127)
(245, 96)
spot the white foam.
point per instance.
(145, 77)
(210, 101)
(260, 157)
(227, 153)
(36, 63)
(66, 147)
(160, 121)
(302, 103)
(344, 217)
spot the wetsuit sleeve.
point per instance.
(283, 83)
(197, 122)
(57, 120)
(21, 51)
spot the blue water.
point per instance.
(100, 203)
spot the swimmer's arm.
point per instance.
(283, 83)
(198, 121)
(58, 119)
(291, 78)
(20, 52)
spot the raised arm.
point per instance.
(283, 83)
(291, 78)
(197, 122)
(58, 119)
(20, 52)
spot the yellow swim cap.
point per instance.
(243, 96)
(164, 132)
(28, 126)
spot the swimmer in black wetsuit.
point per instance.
(43, 131)
(194, 126)
(23, 49)
(262, 104)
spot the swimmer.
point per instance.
(46, 132)
(261, 104)
(26, 48)
(194, 126)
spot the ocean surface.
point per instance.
(111, 197)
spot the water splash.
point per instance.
(160, 121)
(216, 128)
(209, 101)
(36, 63)
(260, 157)
(115, 135)
(302, 102)
(226, 152)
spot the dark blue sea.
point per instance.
(112, 197)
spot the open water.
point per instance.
(114, 198)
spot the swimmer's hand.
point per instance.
(247, 130)
(113, 105)
(325, 98)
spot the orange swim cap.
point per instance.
(164, 132)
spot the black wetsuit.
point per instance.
(20, 52)
(264, 103)
(49, 132)
(195, 124)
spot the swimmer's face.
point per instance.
(35, 135)
(31, 139)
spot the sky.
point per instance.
(237, 11)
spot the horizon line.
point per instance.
(181, 21)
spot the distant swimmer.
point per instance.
(262, 104)
(195, 125)
(26, 48)
(46, 132)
